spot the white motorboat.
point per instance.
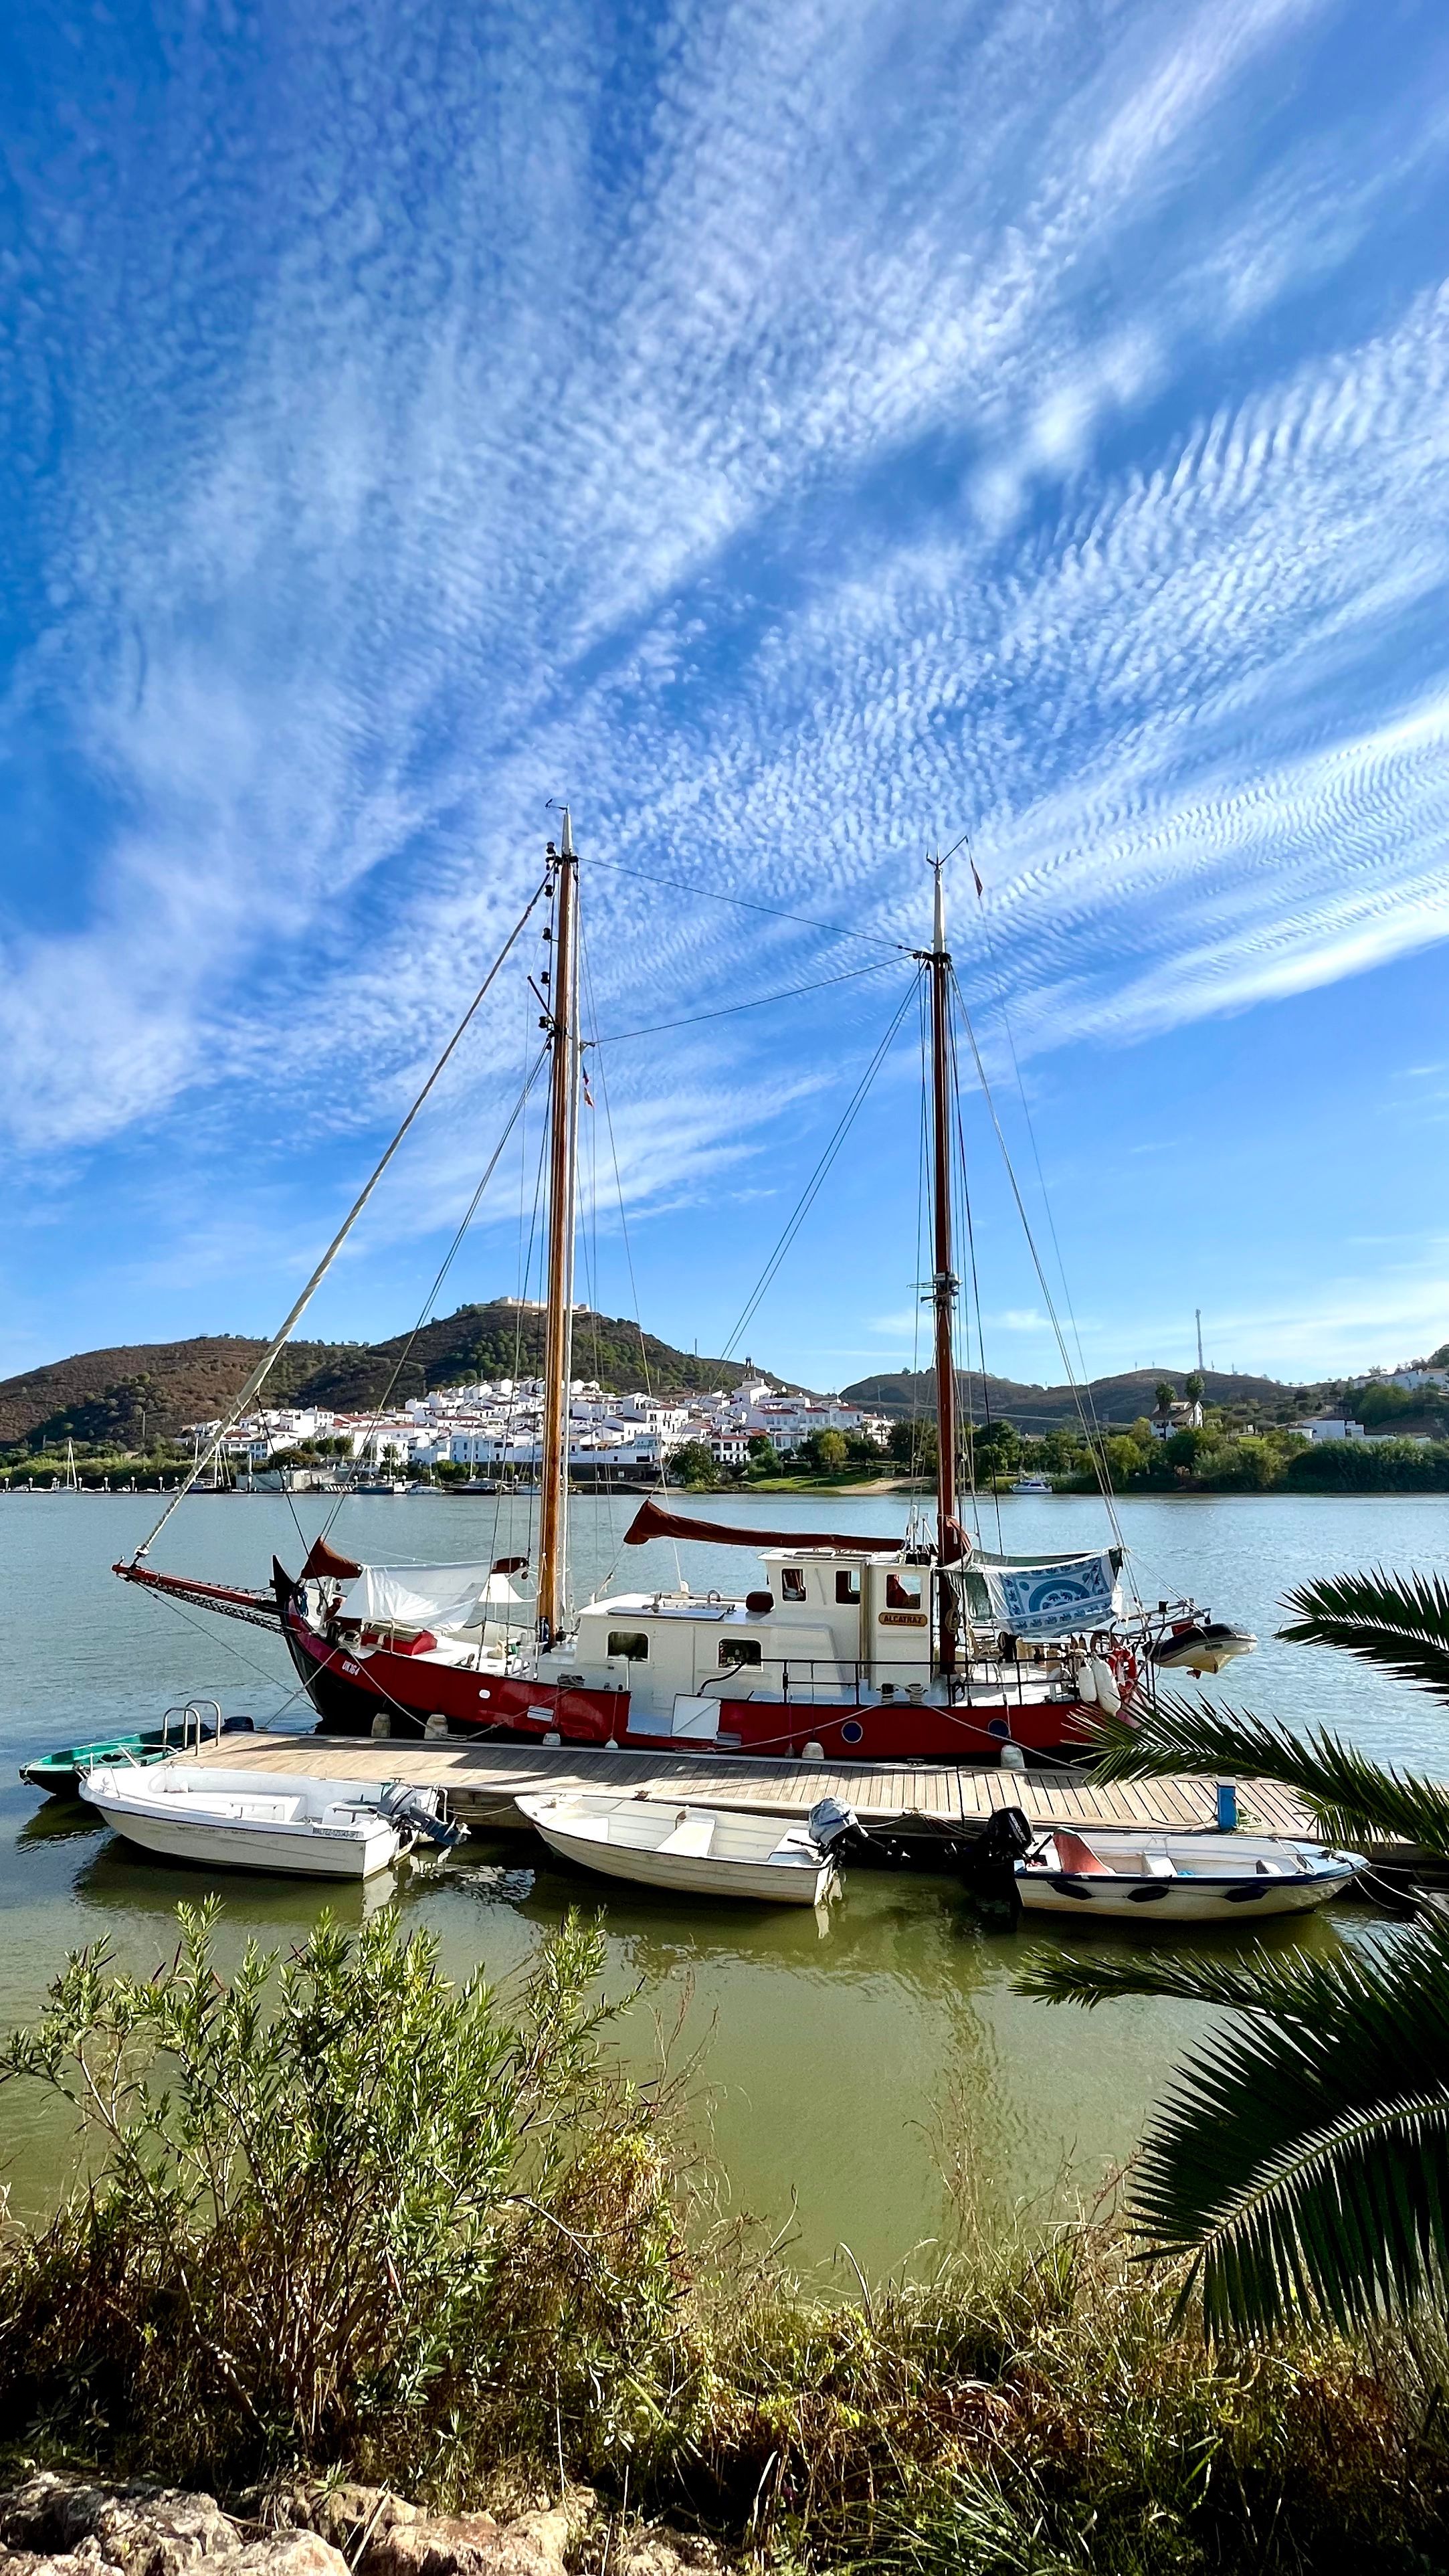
(696, 1851)
(1179, 1878)
(309, 1828)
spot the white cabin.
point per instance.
(829, 1630)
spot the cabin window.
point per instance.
(792, 1583)
(632, 1644)
(738, 1650)
(847, 1583)
(903, 1592)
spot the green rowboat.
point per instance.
(61, 1771)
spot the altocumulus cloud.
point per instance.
(794, 431)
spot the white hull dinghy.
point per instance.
(1156, 1878)
(695, 1851)
(244, 1820)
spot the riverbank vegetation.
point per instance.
(336, 2212)
(1215, 1458)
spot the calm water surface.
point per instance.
(832, 2066)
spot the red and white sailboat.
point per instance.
(852, 1647)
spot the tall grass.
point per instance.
(336, 2210)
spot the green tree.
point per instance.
(1183, 1447)
(998, 1450)
(913, 1446)
(1193, 1387)
(693, 1464)
(1301, 2163)
(1125, 1457)
(824, 1451)
(1166, 1394)
(764, 1458)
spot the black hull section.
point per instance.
(342, 1708)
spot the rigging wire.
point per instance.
(813, 1186)
(999, 977)
(449, 1257)
(587, 970)
(975, 1280)
(791, 993)
(742, 903)
(258, 1374)
(1098, 1459)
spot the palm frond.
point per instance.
(1302, 2158)
(1400, 1621)
(1346, 1794)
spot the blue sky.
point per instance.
(796, 434)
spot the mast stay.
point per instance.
(264, 1365)
(951, 1539)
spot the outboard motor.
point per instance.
(833, 1826)
(423, 1813)
(988, 1867)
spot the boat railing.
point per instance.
(195, 1715)
(823, 1680)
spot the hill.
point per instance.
(905, 1392)
(143, 1391)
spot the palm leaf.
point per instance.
(1301, 2160)
(1346, 1794)
(1400, 1621)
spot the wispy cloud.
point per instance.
(720, 426)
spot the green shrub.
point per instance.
(337, 2206)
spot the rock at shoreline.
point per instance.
(669, 2553)
(70, 2528)
(470, 2544)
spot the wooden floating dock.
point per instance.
(483, 1779)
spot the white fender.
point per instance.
(1087, 1680)
(1107, 1695)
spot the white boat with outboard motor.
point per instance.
(694, 1851)
(1157, 1878)
(308, 1828)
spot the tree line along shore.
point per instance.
(1215, 1458)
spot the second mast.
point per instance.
(562, 1171)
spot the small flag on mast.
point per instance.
(976, 877)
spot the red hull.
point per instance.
(348, 1691)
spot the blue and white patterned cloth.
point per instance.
(1053, 1600)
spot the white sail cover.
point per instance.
(1053, 1596)
(424, 1596)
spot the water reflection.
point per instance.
(832, 2070)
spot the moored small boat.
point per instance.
(1179, 1878)
(308, 1828)
(693, 1851)
(1200, 1645)
(61, 1771)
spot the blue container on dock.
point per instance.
(1227, 1806)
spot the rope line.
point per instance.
(742, 903)
(790, 993)
(813, 1186)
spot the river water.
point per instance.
(834, 2069)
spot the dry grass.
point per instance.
(344, 2213)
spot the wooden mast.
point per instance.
(562, 1164)
(944, 1283)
